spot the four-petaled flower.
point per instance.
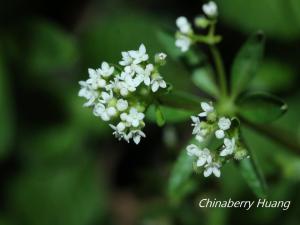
(207, 108)
(228, 148)
(139, 55)
(212, 167)
(106, 70)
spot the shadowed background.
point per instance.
(60, 165)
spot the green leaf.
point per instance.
(279, 19)
(181, 100)
(246, 63)
(261, 107)
(203, 78)
(274, 76)
(170, 115)
(60, 193)
(50, 49)
(160, 118)
(253, 176)
(180, 176)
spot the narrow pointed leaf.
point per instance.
(160, 118)
(180, 175)
(181, 100)
(203, 79)
(253, 176)
(261, 107)
(170, 115)
(246, 63)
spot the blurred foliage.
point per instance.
(279, 19)
(6, 106)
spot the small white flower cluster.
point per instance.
(205, 125)
(120, 94)
(185, 33)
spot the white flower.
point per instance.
(122, 104)
(199, 138)
(100, 110)
(119, 128)
(95, 81)
(162, 56)
(126, 59)
(134, 117)
(224, 123)
(125, 83)
(111, 111)
(119, 134)
(136, 135)
(207, 108)
(183, 25)
(183, 43)
(196, 124)
(106, 96)
(212, 167)
(204, 157)
(220, 134)
(143, 75)
(198, 130)
(210, 9)
(139, 55)
(193, 150)
(228, 148)
(88, 93)
(158, 82)
(106, 70)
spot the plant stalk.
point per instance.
(219, 69)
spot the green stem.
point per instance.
(282, 138)
(220, 69)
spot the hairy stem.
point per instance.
(281, 137)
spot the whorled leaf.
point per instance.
(203, 78)
(253, 176)
(246, 63)
(167, 114)
(160, 118)
(181, 100)
(179, 180)
(261, 107)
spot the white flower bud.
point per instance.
(105, 117)
(122, 105)
(111, 111)
(210, 9)
(124, 116)
(201, 22)
(160, 58)
(224, 123)
(220, 134)
(121, 126)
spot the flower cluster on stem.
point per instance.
(121, 94)
(186, 36)
(209, 125)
